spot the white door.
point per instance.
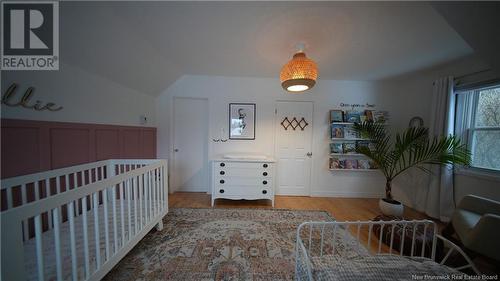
(294, 147)
(190, 157)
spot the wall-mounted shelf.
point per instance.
(342, 123)
(349, 139)
(356, 170)
(347, 155)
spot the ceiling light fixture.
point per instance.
(300, 73)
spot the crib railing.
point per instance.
(132, 194)
(362, 238)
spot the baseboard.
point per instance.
(346, 194)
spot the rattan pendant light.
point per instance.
(299, 74)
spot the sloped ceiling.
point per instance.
(479, 25)
(146, 46)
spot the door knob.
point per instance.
(176, 150)
(309, 154)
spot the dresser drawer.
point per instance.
(242, 191)
(243, 181)
(243, 165)
(243, 172)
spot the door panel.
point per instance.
(190, 169)
(292, 147)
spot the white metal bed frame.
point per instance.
(141, 184)
(348, 233)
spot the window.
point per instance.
(478, 123)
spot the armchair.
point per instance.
(476, 221)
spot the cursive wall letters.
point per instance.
(9, 95)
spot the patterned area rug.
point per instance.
(218, 244)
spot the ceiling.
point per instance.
(146, 46)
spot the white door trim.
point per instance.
(172, 141)
(276, 153)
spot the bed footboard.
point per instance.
(350, 239)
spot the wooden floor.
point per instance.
(339, 208)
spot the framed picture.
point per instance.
(336, 116)
(242, 121)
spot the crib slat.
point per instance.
(36, 185)
(74, 265)
(157, 205)
(115, 229)
(57, 243)
(147, 197)
(106, 227)
(134, 186)
(47, 194)
(162, 191)
(85, 237)
(122, 212)
(129, 215)
(141, 196)
(150, 193)
(39, 247)
(10, 201)
(24, 200)
(96, 230)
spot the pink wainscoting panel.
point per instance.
(107, 144)
(20, 143)
(34, 146)
(69, 147)
(131, 143)
(149, 143)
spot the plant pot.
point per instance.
(391, 207)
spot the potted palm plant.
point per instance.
(411, 148)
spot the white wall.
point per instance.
(86, 97)
(220, 91)
(415, 83)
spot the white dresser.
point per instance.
(243, 179)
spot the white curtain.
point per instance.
(439, 201)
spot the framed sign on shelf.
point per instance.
(242, 121)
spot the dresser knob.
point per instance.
(265, 165)
(222, 181)
(222, 172)
(222, 164)
(264, 174)
(264, 182)
(264, 191)
(221, 191)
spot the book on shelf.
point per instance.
(337, 131)
(350, 133)
(350, 164)
(336, 116)
(352, 117)
(349, 147)
(360, 144)
(336, 147)
(364, 164)
(336, 163)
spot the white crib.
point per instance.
(325, 250)
(76, 223)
